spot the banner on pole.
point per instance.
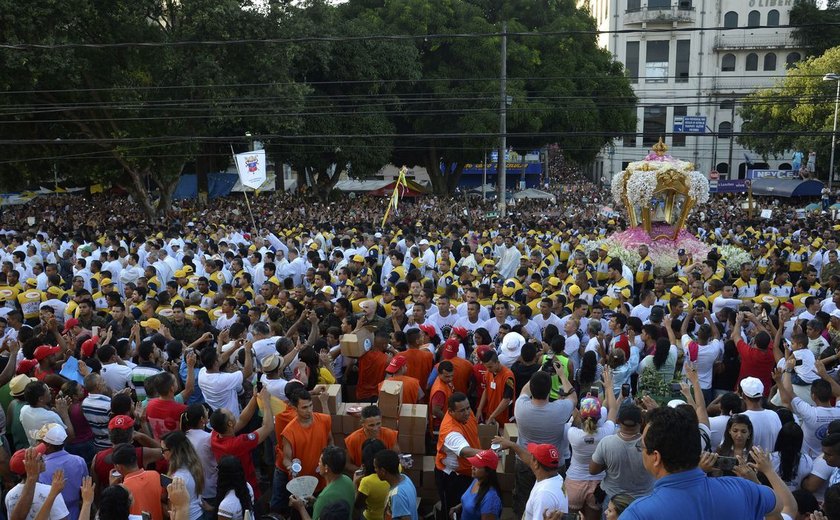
(399, 188)
(251, 168)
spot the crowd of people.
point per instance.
(172, 368)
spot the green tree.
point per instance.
(135, 115)
(796, 114)
(817, 29)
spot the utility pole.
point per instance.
(501, 170)
(732, 143)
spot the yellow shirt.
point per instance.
(376, 492)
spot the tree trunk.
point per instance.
(432, 164)
(138, 190)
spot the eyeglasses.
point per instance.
(641, 447)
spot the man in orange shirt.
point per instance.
(457, 441)
(420, 359)
(144, 485)
(371, 429)
(463, 369)
(372, 369)
(303, 439)
(499, 387)
(398, 371)
(442, 388)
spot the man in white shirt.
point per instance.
(766, 423)
(547, 495)
(220, 389)
(30, 464)
(815, 418)
(116, 375)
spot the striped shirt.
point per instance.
(96, 409)
(139, 374)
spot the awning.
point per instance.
(786, 187)
(532, 193)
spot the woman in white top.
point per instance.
(789, 462)
(234, 493)
(584, 436)
(184, 463)
(193, 422)
(663, 360)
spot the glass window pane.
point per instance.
(683, 56)
(631, 61)
(678, 139)
(654, 125)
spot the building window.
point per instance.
(785, 166)
(722, 168)
(792, 59)
(629, 141)
(727, 64)
(685, 4)
(773, 18)
(769, 61)
(679, 138)
(730, 20)
(754, 19)
(655, 122)
(683, 51)
(631, 61)
(634, 5)
(727, 104)
(656, 64)
(724, 130)
(659, 4)
(752, 61)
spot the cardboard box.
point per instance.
(390, 422)
(486, 432)
(390, 398)
(416, 476)
(333, 400)
(356, 343)
(428, 473)
(509, 462)
(350, 423)
(510, 431)
(505, 479)
(414, 418)
(413, 444)
(338, 419)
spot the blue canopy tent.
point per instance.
(786, 187)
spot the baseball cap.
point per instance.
(681, 252)
(396, 363)
(574, 290)
(428, 329)
(629, 414)
(55, 291)
(31, 282)
(69, 324)
(752, 387)
(45, 351)
(270, 363)
(535, 287)
(423, 242)
(590, 407)
(546, 454)
(450, 348)
(105, 281)
(461, 332)
(121, 422)
(52, 434)
(554, 281)
(481, 349)
(18, 384)
(16, 461)
(89, 346)
(673, 403)
(180, 273)
(152, 323)
(484, 459)
(358, 258)
(25, 366)
(788, 306)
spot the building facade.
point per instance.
(694, 58)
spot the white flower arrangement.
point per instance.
(660, 166)
(734, 256)
(617, 186)
(640, 188)
(698, 188)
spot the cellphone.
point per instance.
(625, 390)
(259, 385)
(798, 362)
(94, 330)
(675, 387)
(165, 481)
(146, 516)
(594, 390)
(726, 463)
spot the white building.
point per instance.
(694, 58)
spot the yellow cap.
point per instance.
(105, 281)
(274, 280)
(360, 259)
(677, 291)
(536, 287)
(573, 290)
(554, 281)
(625, 292)
(683, 279)
(152, 323)
(180, 274)
(188, 269)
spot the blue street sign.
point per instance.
(690, 124)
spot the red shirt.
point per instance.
(756, 363)
(103, 469)
(164, 416)
(240, 446)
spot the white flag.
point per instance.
(251, 168)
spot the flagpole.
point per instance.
(245, 193)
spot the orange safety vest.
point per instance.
(438, 386)
(470, 433)
(494, 387)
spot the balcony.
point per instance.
(746, 83)
(735, 40)
(674, 14)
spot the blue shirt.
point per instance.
(700, 497)
(196, 396)
(402, 500)
(491, 504)
(75, 470)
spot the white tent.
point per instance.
(532, 193)
(360, 186)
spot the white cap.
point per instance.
(377, 235)
(835, 313)
(673, 403)
(513, 342)
(423, 242)
(752, 387)
(54, 434)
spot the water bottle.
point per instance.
(406, 461)
(296, 468)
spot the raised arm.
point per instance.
(697, 392)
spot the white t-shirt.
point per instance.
(823, 471)
(706, 357)
(814, 421)
(766, 425)
(33, 418)
(806, 463)
(200, 441)
(220, 389)
(546, 495)
(583, 446)
(59, 509)
(717, 425)
(116, 376)
(230, 507)
(452, 446)
(264, 347)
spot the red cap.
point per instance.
(461, 332)
(484, 459)
(428, 329)
(450, 348)
(788, 306)
(25, 366)
(16, 462)
(121, 422)
(546, 454)
(45, 351)
(396, 363)
(69, 324)
(89, 346)
(480, 350)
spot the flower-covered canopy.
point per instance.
(659, 189)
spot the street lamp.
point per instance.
(835, 78)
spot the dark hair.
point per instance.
(218, 421)
(831, 503)
(806, 502)
(491, 481)
(528, 352)
(232, 477)
(821, 390)
(114, 503)
(192, 416)
(670, 432)
(296, 397)
(371, 411)
(445, 366)
(334, 458)
(660, 355)
(389, 461)
(730, 403)
(588, 369)
(540, 384)
(789, 446)
(369, 450)
(726, 446)
(34, 391)
(455, 398)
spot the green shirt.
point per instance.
(341, 488)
